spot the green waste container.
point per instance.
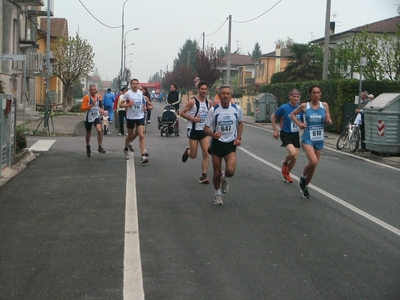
(264, 105)
(382, 124)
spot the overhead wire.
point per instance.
(114, 27)
(217, 29)
(259, 15)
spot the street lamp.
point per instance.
(126, 46)
(122, 40)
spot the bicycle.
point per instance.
(350, 135)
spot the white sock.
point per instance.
(218, 192)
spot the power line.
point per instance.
(259, 15)
(218, 28)
(114, 27)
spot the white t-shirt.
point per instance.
(225, 120)
(136, 111)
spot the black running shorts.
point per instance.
(88, 125)
(196, 134)
(288, 138)
(130, 123)
(221, 149)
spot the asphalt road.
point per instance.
(70, 226)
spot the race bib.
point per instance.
(294, 127)
(316, 133)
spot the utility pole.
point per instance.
(228, 60)
(203, 41)
(326, 41)
(46, 101)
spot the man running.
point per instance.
(224, 124)
(289, 132)
(195, 112)
(136, 104)
(91, 104)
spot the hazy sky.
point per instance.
(165, 25)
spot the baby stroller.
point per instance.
(168, 122)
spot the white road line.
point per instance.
(332, 197)
(42, 145)
(338, 151)
(133, 280)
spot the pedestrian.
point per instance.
(316, 113)
(289, 133)
(149, 107)
(173, 98)
(121, 112)
(365, 99)
(115, 109)
(135, 103)
(224, 124)
(91, 104)
(195, 112)
(108, 102)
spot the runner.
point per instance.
(224, 124)
(195, 112)
(289, 133)
(91, 104)
(316, 113)
(136, 104)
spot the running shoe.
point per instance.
(284, 168)
(146, 153)
(218, 200)
(126, 153)
(101, 150)
(88, 151)
(224, 185)
(203, 179)
(305, 194)
(287, 178)
(144, 159)
(131, 147)
(148, 122)
(302, 183)
(185, 154)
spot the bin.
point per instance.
(382, 124)
(264, 105)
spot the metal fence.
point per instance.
(7, 131)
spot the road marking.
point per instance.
(42, 145)
(332, 197)
(133, 281)
(338, 151)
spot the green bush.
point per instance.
(21, 142)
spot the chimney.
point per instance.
(332, 27)
(278, 50)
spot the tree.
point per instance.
(305, 63)
(77, 89)
(187, 55)
(256, 51)
(74, 60)
(183, 77)
(207, 64)
(284, 43)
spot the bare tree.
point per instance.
(74, 60)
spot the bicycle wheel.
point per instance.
(342, 140)
(354, 141)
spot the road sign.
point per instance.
(14, 57)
